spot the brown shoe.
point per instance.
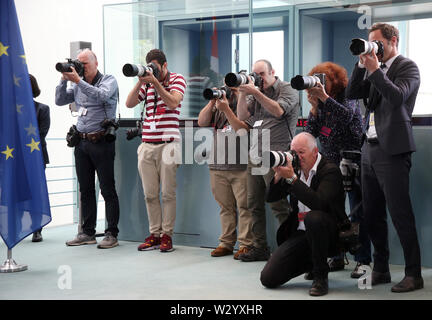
(221, 251)
(242, 250)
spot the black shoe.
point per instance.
(408, 284)
(308, 276)
(37, 236)
(336, 264)
(255, 254)
(356, 272)
(319, 287)
(380, 277)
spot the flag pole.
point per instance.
(10, 265)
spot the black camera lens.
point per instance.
(211, 94)
(66, 66)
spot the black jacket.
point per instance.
(44, 122)
(325, 194)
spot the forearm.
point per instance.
(206, 114)
(235, 122)
(242, 107)
(270, 105)
(171, 101)
(132, 98)
(63, 96)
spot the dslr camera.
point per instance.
(132, 70)
(110, 126)
(66, 66)
(279, 159)
(349, 167)
(134, 132)
(359, 46)
(211, 94)
(305, 82)
(72, 137)
(237, 79)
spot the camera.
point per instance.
(350, 168)
(349, 237)
(279, 158)
(359, 46)
(66, 66)
(305, 82)
(134, 132)
(211, 94)
(72, 137)
(132, 70)
(237, 79)
(110, 126)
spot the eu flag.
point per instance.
(24, 203)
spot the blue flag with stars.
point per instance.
(24, 203)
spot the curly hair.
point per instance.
(336, 77)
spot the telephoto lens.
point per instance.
(237, 79)
(211, 94)
(359, 46)
(138, 70)
(279, 158)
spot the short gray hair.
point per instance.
(311, 140)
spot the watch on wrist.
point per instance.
(292, 179)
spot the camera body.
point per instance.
(300, 82)
(110, 126)
(134, 132)
(211, 94)
(237, 79)
(72, 137)
(350, 168)
(66, 66)
(359, 46)
(132, 70)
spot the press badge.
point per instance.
(371, 119)
(258, 123)
(82, 111)
(227, 129)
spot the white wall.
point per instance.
(47, 28)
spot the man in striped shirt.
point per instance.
(162, 92)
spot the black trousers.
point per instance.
(385, 181)
(90, 158)
(303, 251)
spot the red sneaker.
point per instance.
(166, 244)
(151, 243)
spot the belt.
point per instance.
(92, 136)
(372, 140)
(159, 142)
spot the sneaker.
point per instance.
(151, 243)
(241, 251)
(255, 254)
(81, 239)
(336, 264)
(166, 244)
(221, 251)
(356, 272)
(108, 242)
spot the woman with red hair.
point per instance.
(337, 123)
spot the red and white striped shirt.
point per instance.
(162, 125)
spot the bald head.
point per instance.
(305, 139)
(89, 60)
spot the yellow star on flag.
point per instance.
(3, 49)
(16, 80)
(33, 145)
(24, 58)
(8, 152)
(19, 107)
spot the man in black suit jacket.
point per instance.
(310, 234)
(391, 90)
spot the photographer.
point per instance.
(337, 123)
(390, 82)
(274, 107)
(162, 96)
(95, 96)
(228, 180)
(310, 234)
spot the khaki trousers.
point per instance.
(157, 174)
(229, 190)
